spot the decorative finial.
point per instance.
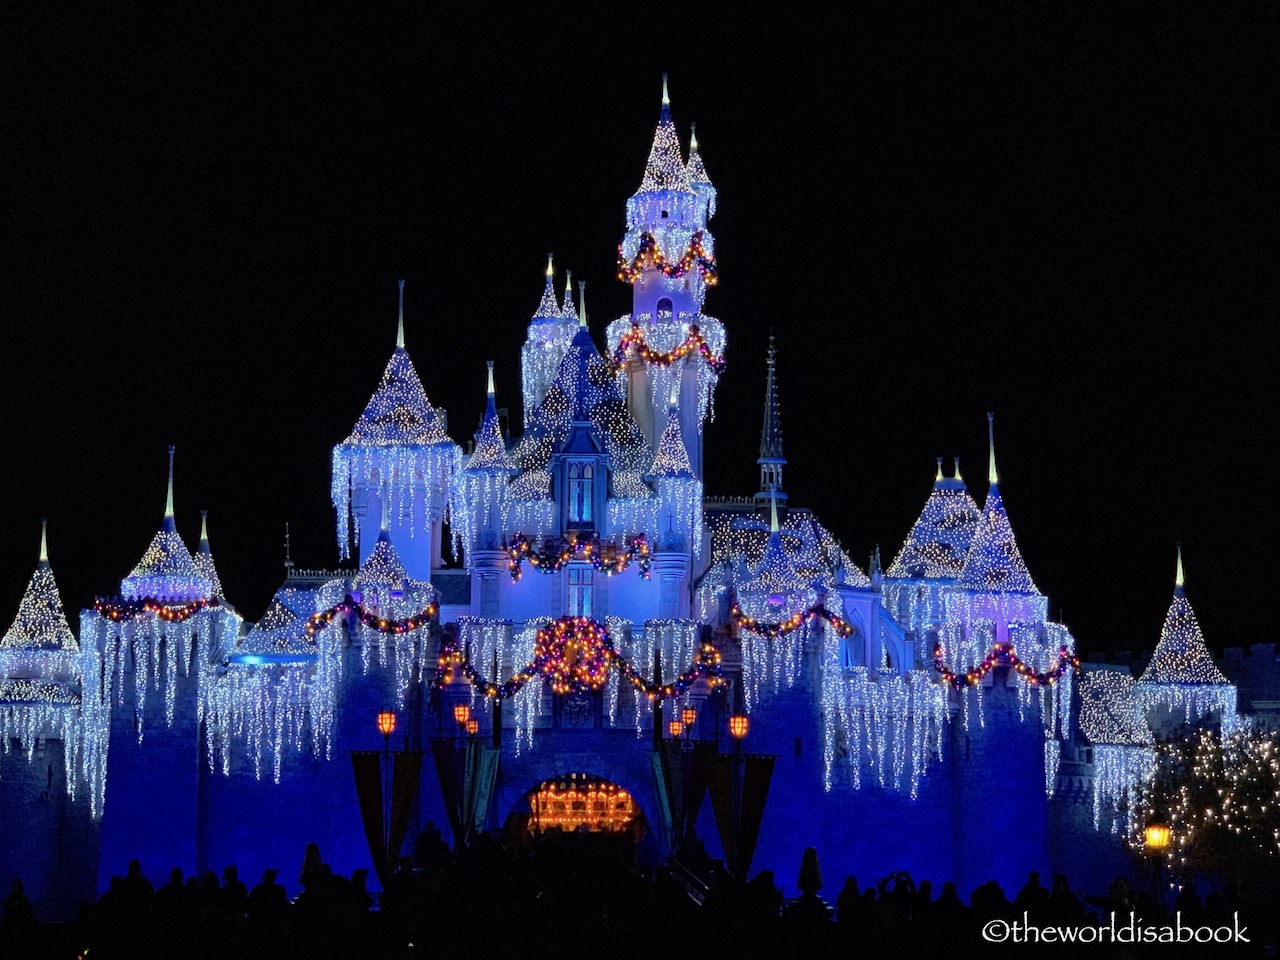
(956, 462)
(773, 510)
(400, 326)
(673, 395)
(288, 549)
(168, 501)
(568, 281)
(991, 449)
(489, 364)
(938, 476)
(204, 525)
(693, 136)
(1179, 580)
(550, 269)
(666, 99)
(582, 303)
(44, 540)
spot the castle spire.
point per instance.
(204, 529)
(400, 325)
(582, 303)
(938, 476)
(771, 460)
(956, 469)
(44, 541)
(567, 310)
(168, 500)
(992, 477)
(548, 308)
(203, 558)
(1179, 581)
(665, 169)
(773, 512)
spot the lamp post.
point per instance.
(386, 727)
(738, 727)
(1156, 838)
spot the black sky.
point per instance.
(1067, 219)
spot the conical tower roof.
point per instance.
(282, 629)
(167, 570)
(567, 309)
(697, 173)
(666, 168)
(548, 308)
(1181, 656)
(203, 558)
(775, 573)
(490, 453)
(994, 563)
(398, 413)
(671, 459)
(1109, 712)
(40, 623)
(940, 538)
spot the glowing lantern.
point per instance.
(1157, 836)
(461, 714)
(688, 716)
(386, 723)
(738, 726)
(674, 728)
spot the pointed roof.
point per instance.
(283, 627)
(41, 623)
(203, 558)
(1181, 656)
(940, 538)
(581, 387)
(166, 570)
(398, 413)
(671, 459)
(771, 433)
(567, 310)
(775, 573)
(490, 453)
(548, 308)
(665, 169)
(1109, 711)
(994, 563)
(697, 173)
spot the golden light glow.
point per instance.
(738, 726)
(461, 714)
(675, 728)
(689, 716)
(576, 803)
(1158, 836)
(386, 723)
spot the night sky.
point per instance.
(1069, 220)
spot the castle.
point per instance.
(615, 645)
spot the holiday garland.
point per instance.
(128, 610)
(775, 630)
(574, 655)
(634, 339)
(520, 549)
(1003, 653)
(318, 621)
(650, 256)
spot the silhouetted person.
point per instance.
(1033, 898)
(233, 896)
(268, 900)
(18, 911)
(847, 901)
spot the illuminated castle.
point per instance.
(606, 621)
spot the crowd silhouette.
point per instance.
(582, 895)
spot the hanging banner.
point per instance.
(367, 765)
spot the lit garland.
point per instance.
(371, 618)
(122, 610)
(774, 630)
(694, 342)
(1003, 654)
(574, 655)
(649, 257)
(605, 558)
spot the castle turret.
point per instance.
(667, 254)
(51, 842)
(203, 558)
(479, 506)
(551, 330)
(167, 571)
(1182, 684)
(398, 448)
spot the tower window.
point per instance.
(581, 582)
(581, 478)
(664, 214)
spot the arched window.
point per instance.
(664, 307)
(581, 476)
